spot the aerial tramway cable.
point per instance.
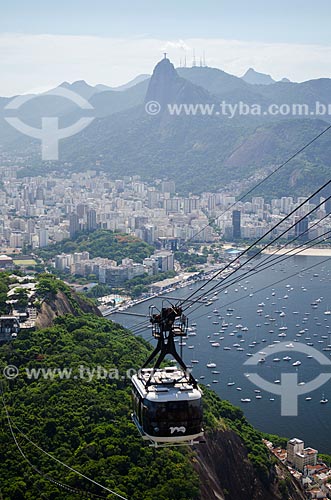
(270, 285)
(266, 263)
(242, 197)
(261, 238)
(289, 253)
(268, 260)
(247, 275)
(46, 476)
(254, 187)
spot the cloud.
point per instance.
(180, 44)
(39, 62)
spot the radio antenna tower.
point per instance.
(194, 63)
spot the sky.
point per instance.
(43, 43)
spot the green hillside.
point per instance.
(101, 243)
(84, 420)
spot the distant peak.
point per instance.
(164, 65)
(255, 78)
(80, 83)
(77, 83)
(80, 87)
(166, 86)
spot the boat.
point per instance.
(245, 400)
(211, 365)
(296, 363)
(323, 401)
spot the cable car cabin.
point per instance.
(167, 408)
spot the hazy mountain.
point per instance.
(214, 80)
(131, 83)
(81, 87)
(112, 101)
(223, 86)
(166, 86)
(255, 78)
(201, 151)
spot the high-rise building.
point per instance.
(165, 260)
(286, 203)
(168, 187)
(294, 446)
(298, 456)
(236, 224)
(73, 224)
(91, 219)
(191, 204)
(153, 198)
(301, 229)
(43, 238)
(172, 205)
(81, 210)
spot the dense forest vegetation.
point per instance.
(101, 243)
(85, 420)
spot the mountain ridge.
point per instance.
(125, 138)
(87, 424)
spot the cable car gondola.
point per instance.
(167, 402)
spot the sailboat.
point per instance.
(328, 347)
(324, 400)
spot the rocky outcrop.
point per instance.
(226, 473)
(60, 305)
(167, 87)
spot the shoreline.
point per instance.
(308, 252)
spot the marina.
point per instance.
(237, 341)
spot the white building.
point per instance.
(299, 456)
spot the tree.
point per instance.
(22, 297)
